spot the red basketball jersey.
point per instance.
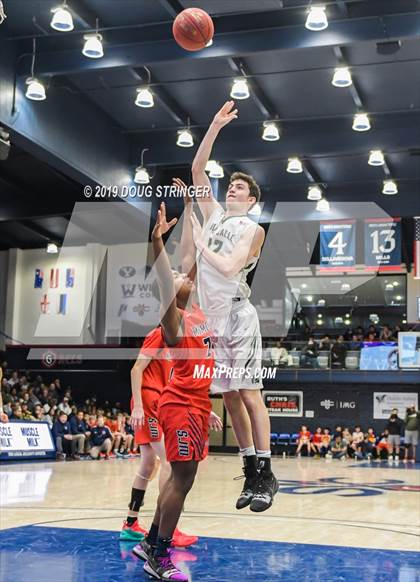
(156, 375)
(193, 364)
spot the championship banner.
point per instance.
(283, 403)
(385, 402)
(24, 439)
(383, 243)
(338, 245)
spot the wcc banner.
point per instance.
(383, 243)
(23, 440)
(338, 245)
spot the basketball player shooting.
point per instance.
(226, 248)
(184, 407)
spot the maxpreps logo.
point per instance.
(127, 272)
(341, 404)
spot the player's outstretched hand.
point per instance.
(137, 417)
(182, 187)
(162, 225)
(215, 422)
(226, 114)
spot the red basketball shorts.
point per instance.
(151, 431)
(186, 433)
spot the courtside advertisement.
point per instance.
(283, 403)
(385, 402)
(26, 440)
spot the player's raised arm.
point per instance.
(137, 414)
(224, 116)
(248, 246)
(188, 250)
(171, 317)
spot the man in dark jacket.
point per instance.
(65, 441)
(338, 353)
(79, 427)
(100, 439)
(395, 428)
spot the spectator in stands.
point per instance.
(317, 442)
(372, 330)
(338, 353)
(304, 439)
(33, 398)
(382, 447)
(339, 448)
(78, 425)
(39, 415)
(44, 395)
(16, 412)
(338, 431)
(371, 337)
(64, 406)
(386, 334)
(309, 353)
(355, 343)
(325, 442)
(326, 343)
(370, 440)
(279, 356)
(395, 427)
(347, 438)
(411, 434)
(63, 438)
(92, 420)
(356, 439)
(100, 439)
(26, 415)
(14, 379)
(398, 329)
(24, 383)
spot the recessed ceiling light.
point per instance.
(361, 122)
(240, 89)
(317, 19)
(342, 77)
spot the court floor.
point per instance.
(331, 521)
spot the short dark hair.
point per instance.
(254, 189)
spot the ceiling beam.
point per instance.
(269, 37)
(354, 91)
(173, 7)
(263, 103)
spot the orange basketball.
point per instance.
(193, 29)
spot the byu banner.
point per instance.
(338, 244)
(383, 242)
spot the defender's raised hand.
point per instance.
(162, 225)
(182, 187)
(226, 114)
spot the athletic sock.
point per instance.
(152, 536)
(130, 520)
(264, 461)
(247, 452)
(163, 545)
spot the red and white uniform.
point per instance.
(155, 378)
(184, 406)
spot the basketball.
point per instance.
(193, 29)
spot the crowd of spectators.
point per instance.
(398, 440)
(325, 351)
(80, 430)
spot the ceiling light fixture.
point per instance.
(144, 95)
(376, 158)
(342, 77)
(294, 166)
(317, 19)
(390, 187)
(314, 193)
(35, 90)
(240, 89)
(185, 139)
(361, 122)
(62, 19)
(93, 48)
(270, 131)
(142, 175)
(216, 171)
(52, 248)
(323, 205)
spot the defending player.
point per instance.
(149, 376)
(227, 248)
(184, 407)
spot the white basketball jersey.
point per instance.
(221, 234)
